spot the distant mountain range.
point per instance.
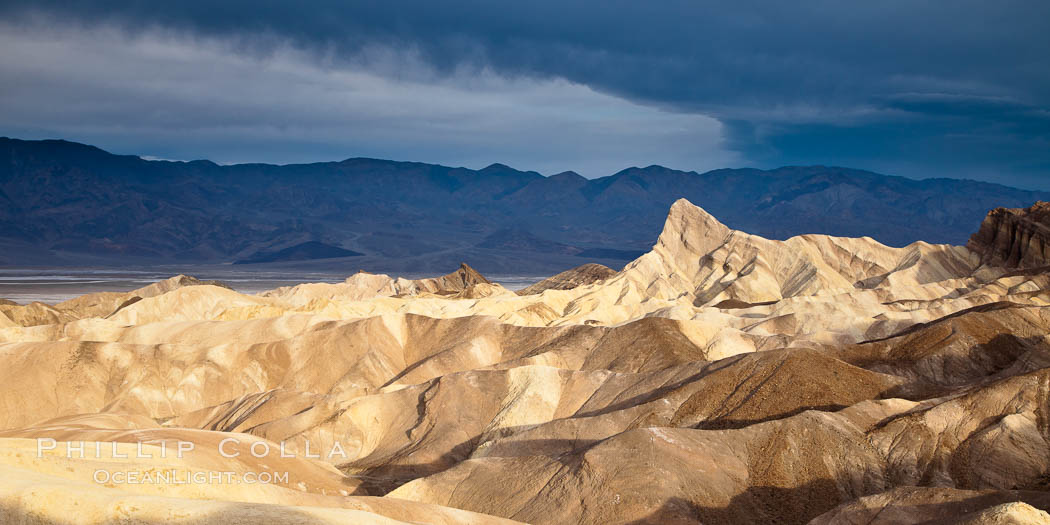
(66, 203)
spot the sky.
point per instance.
(916, 88)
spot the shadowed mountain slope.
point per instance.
(68, 202)
(300, 252)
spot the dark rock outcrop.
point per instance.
(1015, 237)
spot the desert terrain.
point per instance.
(721, 377)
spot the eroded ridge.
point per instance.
(721, 377)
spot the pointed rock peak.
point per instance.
(682, 209)
(690, 227)
(469, 275)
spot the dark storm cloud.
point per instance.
(922, 135)
(919, 88)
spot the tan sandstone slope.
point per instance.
(100, 304)
(584, 274)
(720, 378)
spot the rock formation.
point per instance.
(1015, 237)
(911, 505)
(589, 273)
(364, 285)
(720, 378)
(100, 304)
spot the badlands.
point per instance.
(719, 378)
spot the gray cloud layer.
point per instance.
(910, 87)
(168, 95)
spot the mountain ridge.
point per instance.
(565, 173)
(737, 379)
(66, 202)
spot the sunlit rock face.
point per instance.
(720, 378)
(589, 273)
